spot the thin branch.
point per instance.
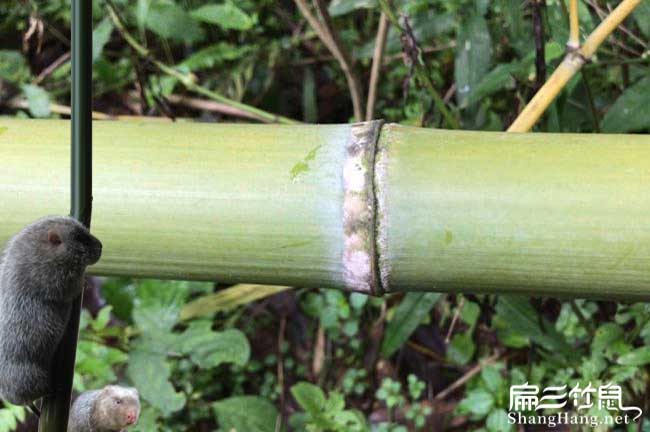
(571, 64)
(377, 63)
(52, 67)
(328, 36)
(208, 105)
(466, 377)
(188, 80)
(574, 26)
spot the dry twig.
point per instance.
(377, 63)
(328, 36)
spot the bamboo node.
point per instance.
(359, 257)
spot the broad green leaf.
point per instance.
(499, 78)
(310, 397)
(628, 114)
(208, 349)
(227, 16)
(38, 100)
(478, 402)
(170, 21)
(642, 17)
(461, 349)
(214, 55)
(470, 312)
(518, 314)
(103, 317)
(120, 293)
(245, 414)
(149, 371)
(141, 12)
(409, 314)
(605, 336)
(158, 304)
(497, 421)
(342, 7)
(473, 57)
(101, 36)
(229, 298)
(638, 357)
(491, 376)
(13, 66)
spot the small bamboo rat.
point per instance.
(41, 272)
(111, 409)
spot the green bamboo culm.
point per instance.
(56, 408)
(456, 211)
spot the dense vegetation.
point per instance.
(322, 360)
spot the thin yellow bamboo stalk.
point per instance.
(574, 26)
(571, 64)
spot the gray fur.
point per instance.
(39, 278)
(106, 410)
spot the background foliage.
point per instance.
(321, 360)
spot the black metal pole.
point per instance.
(56, 408)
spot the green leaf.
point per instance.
(214, 55)
(497, 421)
(491, 376)
(638, 357)
(245, 414)
(170, 21)
(159, 304)
(13, 66)
(470, 313)
(517, 313)
(149, 371)
(407, 317)
(499, 78)
(605, 336)
(209, 349)
(227, 16)
(101, 36)
(358, 300)
(461, 349)
(38, 100)
(310, 397)
(628, 114)
(342, 7)
(473, 57)
(642, 17)
(478, 402)
(103, 317)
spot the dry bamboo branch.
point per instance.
(326, 34)
(571, 64)
(574, 26)
(377, 63)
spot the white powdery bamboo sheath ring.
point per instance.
(359, 256)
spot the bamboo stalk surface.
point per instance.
(541, 214)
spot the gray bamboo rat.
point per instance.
(41, 272)
(111, 409)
